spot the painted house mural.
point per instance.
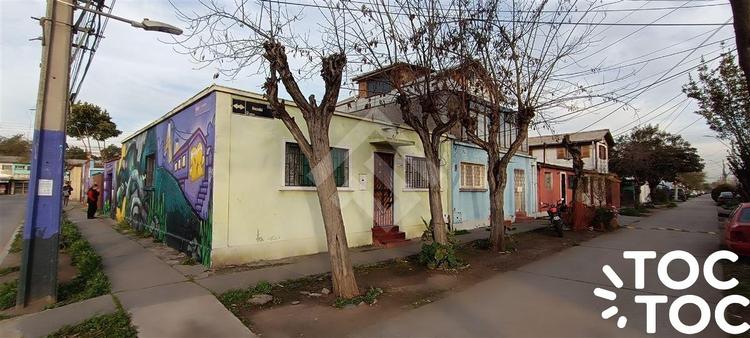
(164, 179)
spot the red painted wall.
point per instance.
(551, 196)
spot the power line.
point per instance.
(595, 24)
(691, 123)
(660, 78)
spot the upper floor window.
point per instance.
(416, 173)
(562, 153)
(297, 171)
(585, 151)
(602, 152)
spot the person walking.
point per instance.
(67, 190)
(92, 198)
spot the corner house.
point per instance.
(221, 180)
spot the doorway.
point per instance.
(519, 180)
(383, 189)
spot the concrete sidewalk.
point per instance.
(319, 263)
(162, 302)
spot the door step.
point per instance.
(388, 236)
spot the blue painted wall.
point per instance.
(471, 209)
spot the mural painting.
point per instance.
(165, 178)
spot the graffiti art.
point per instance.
(165, 178)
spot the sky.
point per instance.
(137, 77)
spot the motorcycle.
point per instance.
(554, 213)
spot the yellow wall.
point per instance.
(255, 217)
(76, 181)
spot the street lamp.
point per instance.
(38, 280)
(146, 24)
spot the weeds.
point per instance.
(370, 297)
(114, 325)
(17, 244)
(8, 292)
(91, 281)
(9, 270)
(235, 300)
(461, 232)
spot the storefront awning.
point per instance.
(393, 142)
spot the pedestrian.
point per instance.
(67, 190)
(92, 197)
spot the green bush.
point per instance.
(630, 212)
(439, 256)
(8, 291)
(603, 216)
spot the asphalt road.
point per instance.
(554, 297)
(11, 215)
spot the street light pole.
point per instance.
(38, 281)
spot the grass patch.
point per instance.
(17, 245)
(631, 212)
(113, 325)
(8, 291)
(9, 270)
(370, 297)
(236, 300)
(671, 205)
(91, 281)
(461, 232)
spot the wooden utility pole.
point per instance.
(741, 13)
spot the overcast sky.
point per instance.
(138, 78)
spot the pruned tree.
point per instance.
(724, 101)
(88, 122)
(521, 45)
(652, 156)
(246, 34)
(412, 41)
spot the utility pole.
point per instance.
(741, 15)
(723, 172)
(38, 281)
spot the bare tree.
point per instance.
(413, 40)
(247, 34)
(521, 45)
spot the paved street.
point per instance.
(11, 215)
(554, 296)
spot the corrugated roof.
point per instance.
(584, 136)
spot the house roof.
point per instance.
(376, 72)
(580, 137)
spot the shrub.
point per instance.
(630, 212)
(8, 292)
(721, 188)
(603, 217)
(439, 256)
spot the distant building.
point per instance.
(598, 186)
(14, 175)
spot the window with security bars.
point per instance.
(472, 176)
(416, 173)
(297, 171)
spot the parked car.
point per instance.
(725, 197)
(737, 230)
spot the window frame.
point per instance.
(407, 184)
(548, 175)
(347, 175)
(482, 178)
(602, 152)
(148, 180)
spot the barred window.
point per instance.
(297, 171)
(548, 180)
(416, 172)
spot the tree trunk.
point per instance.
(342, 274)
(741, 14)
(496, 180)
(439, 228)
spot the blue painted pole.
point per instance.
(38, 281)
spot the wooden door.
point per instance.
(519, 179)
(383, 190)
